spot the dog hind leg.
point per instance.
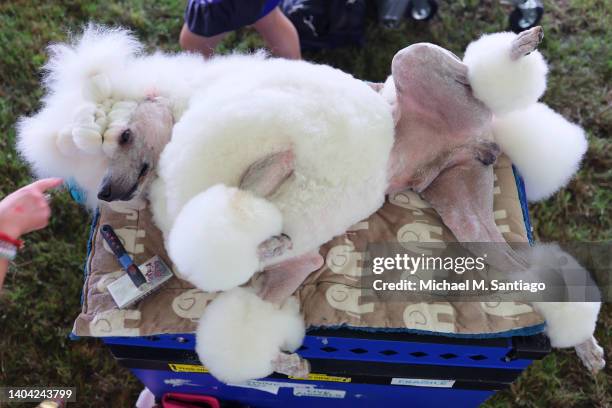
(472, 222)
(280, 281)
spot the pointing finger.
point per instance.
(46, 184)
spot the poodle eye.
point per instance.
(125, 137)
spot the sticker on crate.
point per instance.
(423, 382)
(323, 377)
(180, 382)
(271, 387)
(318, 392)
(187, 368)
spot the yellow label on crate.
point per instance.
(323, 377)
(187, 368)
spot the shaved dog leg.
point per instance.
(280, 281)
(438, 116)
(462, 196)
(263, 178)
(266, 175)
(441, 116)
(433, 89)
(526, 42)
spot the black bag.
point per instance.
(327, 23)
(212, 17)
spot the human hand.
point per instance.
(26, 209)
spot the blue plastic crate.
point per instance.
(350, 368)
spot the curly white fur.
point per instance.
(229, 112)
(240, 335)
(545, 147)
(501, 83)
(261, 107)
(212, 217)
(59, 141)
(92, 83)
(525, 130)
(568, 324)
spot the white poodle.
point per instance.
(251, 162)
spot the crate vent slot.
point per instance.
(388, 352)
(329, 349)
(358, 351)
(418, 354)
(478, 357)
(448, 356)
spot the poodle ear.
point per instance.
(544, 146)
(46, 142)
(88, 60)
(502, 82)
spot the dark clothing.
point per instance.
(211, 17)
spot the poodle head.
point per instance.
(134, 150)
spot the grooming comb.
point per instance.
(138, 282)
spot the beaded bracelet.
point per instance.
(9, 246)
(15, 242)
(7, 250)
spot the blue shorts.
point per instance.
(211, 17)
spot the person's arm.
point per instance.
(280, 34)
(3, 270)
(24, 211)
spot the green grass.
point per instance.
(41, 296)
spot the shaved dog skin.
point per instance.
(443, 150)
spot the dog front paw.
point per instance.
(215, 239)
(274, 246)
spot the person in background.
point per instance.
(208, 21)
(23, 211)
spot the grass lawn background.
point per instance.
(42, 292)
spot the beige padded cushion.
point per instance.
(329, 297)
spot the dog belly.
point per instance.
(340, 131)
(315, 215)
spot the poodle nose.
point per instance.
(105, 193)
